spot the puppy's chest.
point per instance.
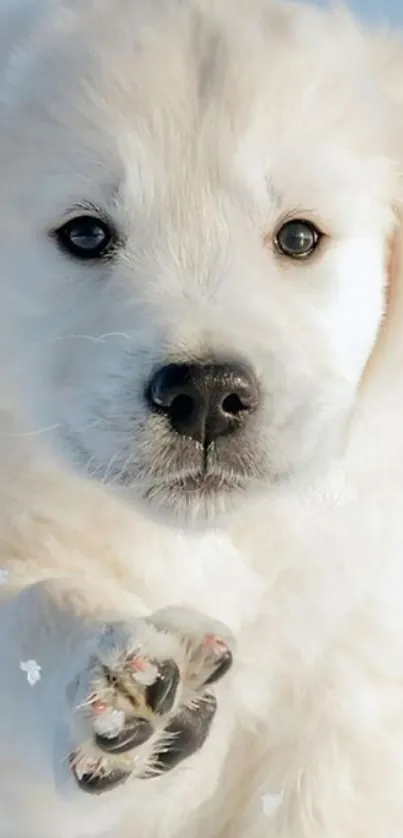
(208, 573)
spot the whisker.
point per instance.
(94, 338)
(37, 432)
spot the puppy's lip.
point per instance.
(204, 483)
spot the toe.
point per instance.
(134, 734)
(187, 733)
(96, 777)
(222, 666)
(160, 696)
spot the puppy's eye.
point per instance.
(297, 239)
(85, 237)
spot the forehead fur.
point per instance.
(235, 92)
(177, 61)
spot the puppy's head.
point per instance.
(196, 200)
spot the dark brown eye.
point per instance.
(85, 237)
(297, 239)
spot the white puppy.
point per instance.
(201, 444)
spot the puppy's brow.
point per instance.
(274, 195)
(85, 206)
(90, 207)
(108, 197)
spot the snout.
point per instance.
(204, 401)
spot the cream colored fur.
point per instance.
(199, 125)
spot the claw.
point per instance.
(93, 777)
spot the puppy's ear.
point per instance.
(391, 334)
(385, 366)
(376, 423)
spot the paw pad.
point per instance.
(143, 671)
(108, 721)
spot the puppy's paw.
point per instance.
(145, 701)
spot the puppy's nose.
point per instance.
(204, 401)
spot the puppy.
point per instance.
(201, 403)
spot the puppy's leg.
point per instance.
(91, 702)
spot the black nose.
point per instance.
(204, 401)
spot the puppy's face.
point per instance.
(195, 210)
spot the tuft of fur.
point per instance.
(198, 127)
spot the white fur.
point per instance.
(198, 126)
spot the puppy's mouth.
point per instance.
(204, 483)
(199, 494)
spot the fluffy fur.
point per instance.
(197, 127)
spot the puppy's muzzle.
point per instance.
(204, 401)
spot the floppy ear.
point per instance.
(394, 318)
(386, 60)
(375, 429)
(378, 418)
(388, 352)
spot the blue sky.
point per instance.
(391, 9)
(375, 9)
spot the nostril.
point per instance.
(170, 391)
(181, 408)
(233, 405)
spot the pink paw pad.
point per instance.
(143, 671)
(216, 644)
